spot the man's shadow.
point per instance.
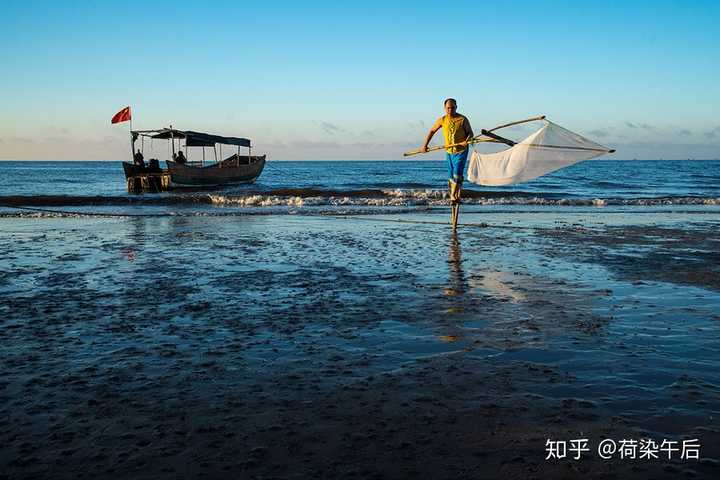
(454, 292)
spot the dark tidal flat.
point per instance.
(304, 347)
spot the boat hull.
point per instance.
(133, 170)
(232, 171)
(146, 179)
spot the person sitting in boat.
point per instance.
(181, 158)
(154, 165)
(139, 159)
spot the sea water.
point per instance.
(392, 186)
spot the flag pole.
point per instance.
(132, 142)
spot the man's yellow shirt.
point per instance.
(455, 130)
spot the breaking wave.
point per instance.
(310, 197)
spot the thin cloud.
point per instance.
(24, 140)
(684, 132)
(644, 126)
(523, 127)
(274, 144)
(712, 134)
(330, 128)
(370, 132)
(403, 144)
(367, 145)
(518, 132)
(60, 131)
(653, 150)
(311, 144)
(418, 125)
(599, 133)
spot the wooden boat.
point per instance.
(182, 172)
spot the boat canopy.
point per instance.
(192, 139)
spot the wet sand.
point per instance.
(360, 347)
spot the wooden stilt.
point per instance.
(450, 196)
(455, 191)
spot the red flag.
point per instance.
(122, 116)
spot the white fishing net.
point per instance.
(549, 149)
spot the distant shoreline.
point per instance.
(413, 160)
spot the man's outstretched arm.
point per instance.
(437, 126)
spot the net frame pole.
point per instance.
(505, 125)
(482, 137)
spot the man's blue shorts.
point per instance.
(456, 165)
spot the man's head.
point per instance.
(450, 106)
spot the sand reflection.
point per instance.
(501, 284)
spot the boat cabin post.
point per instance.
(172, 142)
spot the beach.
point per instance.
(358, 346)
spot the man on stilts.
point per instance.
(457, 131)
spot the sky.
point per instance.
(360, 80)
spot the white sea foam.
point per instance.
(407, 198)
(263, 201)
